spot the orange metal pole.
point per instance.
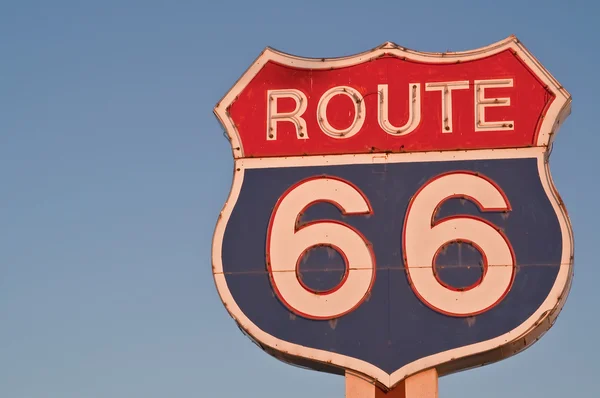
(420, 385)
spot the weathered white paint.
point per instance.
(359, 112)
(286, 245)
(446, 89)
(414, 110)
(482, 102)
(422, 242)
(295, 116)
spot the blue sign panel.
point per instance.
(393, 327)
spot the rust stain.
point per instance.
(331, 253)
(333, 323)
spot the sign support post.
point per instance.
(421, 385)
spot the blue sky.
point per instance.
(113, 170)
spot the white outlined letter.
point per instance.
(414, 110)
(481, 102)
(274, 116)
(359, 112)
(446, 89)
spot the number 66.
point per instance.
(422, 238)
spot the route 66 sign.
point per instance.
(393, 211)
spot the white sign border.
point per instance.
(448, 361)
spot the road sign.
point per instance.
(393, 211)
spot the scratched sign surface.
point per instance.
(393, 211)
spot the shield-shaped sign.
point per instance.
(393, 211)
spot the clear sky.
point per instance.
(113, 170)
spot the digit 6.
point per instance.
(287, 243)
(423, 238)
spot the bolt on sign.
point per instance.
(392, 213)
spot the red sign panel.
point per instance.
(390, 103)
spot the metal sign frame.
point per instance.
(444, 362)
